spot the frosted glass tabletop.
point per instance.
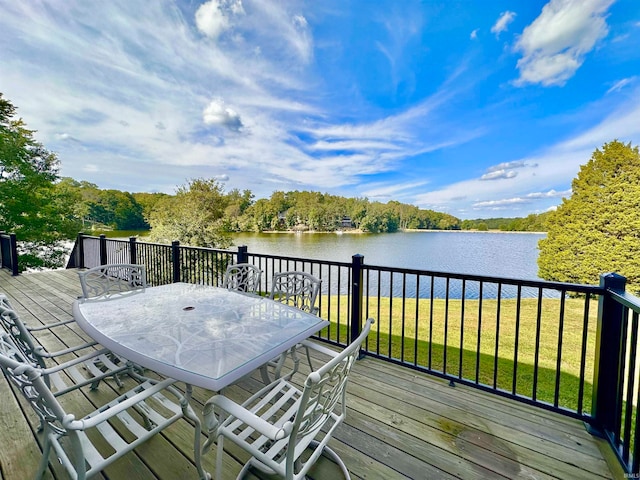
(205, 336)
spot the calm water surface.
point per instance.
(511, 255)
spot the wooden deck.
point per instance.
(400, 424)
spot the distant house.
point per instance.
(346, 222)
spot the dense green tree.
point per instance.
(597, 229)
(119, 210)
(194, 216)
(534, 222)
(30, 204)
(238, 203)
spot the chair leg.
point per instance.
(333, 456)
(309, 358)
(219, 456)
(44, 461)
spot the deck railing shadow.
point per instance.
(568, 348)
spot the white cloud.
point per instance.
(214, 17)
(474, 34)
(499, 174)
(503, 170)
(217, 113)
(506, 165)
(554, 46)
(502, 24)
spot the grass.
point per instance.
(486, 341)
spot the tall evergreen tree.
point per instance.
(597, 229)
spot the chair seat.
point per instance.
(277, 406)
(142, 412)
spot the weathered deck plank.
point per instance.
(400, 424)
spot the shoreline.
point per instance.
(355, 231)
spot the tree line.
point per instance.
(201, 212)
(202, 203)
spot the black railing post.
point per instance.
(103, 249)
(175, 258)
(243, 256)
(14, 254)
(608, 356)
(80, 251)
(357, 261)
(133, 254)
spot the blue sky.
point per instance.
(475, 108)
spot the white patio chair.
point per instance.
(88, 368)
(300, 290)
(243, 277)
(86, 445)
(107, 280)
(278, 423)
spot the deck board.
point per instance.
(400, 423)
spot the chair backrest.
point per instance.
(31, 384)
(21, 336)
(324, 389)
(243, 277)
(106, 280)
(298, 289)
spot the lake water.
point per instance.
(510, 255)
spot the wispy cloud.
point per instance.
(380, 191)
(554, 46)
(530, 197)
(620, 84)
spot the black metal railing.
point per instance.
(616, 380)
(563, 347)
(9, 252)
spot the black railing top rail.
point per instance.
(624, 298)
(299, 259)
(544, 284)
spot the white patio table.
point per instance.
(200, 335)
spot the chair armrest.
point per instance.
(41, 352)
(88, 356)
(319, 348)
(50, 325)
(241, 413)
